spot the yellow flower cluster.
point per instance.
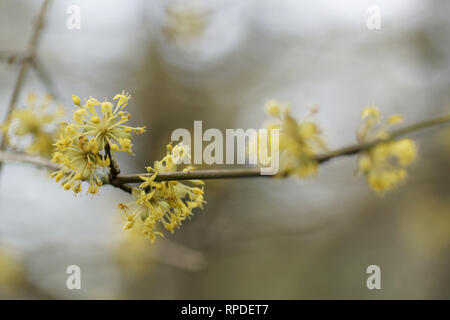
(84, 146)
(300, 142)
(384, 164)
(167, 203)
(34, 126)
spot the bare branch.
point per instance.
(255, 172)
(45, 78)
(25, 64)
(121, 181)
(7, 156)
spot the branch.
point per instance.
(13, 57)
(25, 63)
(113, 167)
(256, 172)
(120, 181)
(355, 149)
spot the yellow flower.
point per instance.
(80, 164)
(34, 123)
(273, 108)
(300, 142)
(108, 125)
(384, 164)
(371, 112)
(82, 147)
(166, 204)
(126, 145)
(372, 128)
(106, 107)
(76, 100)
(123, 99)
(396, 118)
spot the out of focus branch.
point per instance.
(192, 175)
(355, 149)
(25, 63)
(45, 78)
(255, 172)
(8, 156)
(120, 181)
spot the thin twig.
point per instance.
(193, 175)
(120, 181)
(113, 167)
(25, 65)
(352, 150)
(255, 172)
(8, 156)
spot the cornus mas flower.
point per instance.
(107, 127)
(180, 152)
(167, 203)
(35, 123)
(84, 147)
(384, 164)
(299, 143)
(372, 127)
(81, 162)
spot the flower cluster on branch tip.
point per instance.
(85, 146)
(166, 203)
(384, 164)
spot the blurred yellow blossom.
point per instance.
(33, 127)
(425, 224)
(300, 141)
(107, 127)
(133, 255)
(12, 275)
(166, 203)
(384, 164)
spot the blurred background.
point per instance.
(219, 62)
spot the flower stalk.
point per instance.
(25, 63)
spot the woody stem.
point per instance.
(256, 172)
(113, 166)
(121, 181)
